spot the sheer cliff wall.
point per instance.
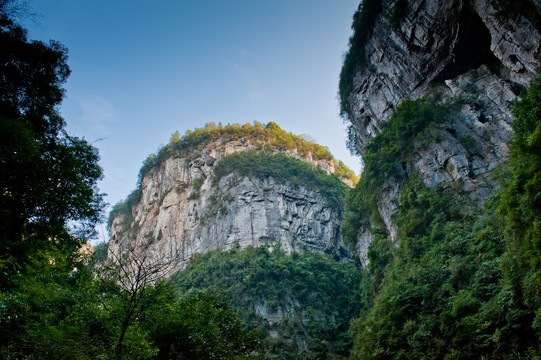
(183, 209)
(472, 56)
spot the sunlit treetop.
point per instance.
(269, 137)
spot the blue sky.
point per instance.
(143, 69)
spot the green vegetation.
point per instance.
(520, 207)
(56, 313)
(54, 303)
(363, 23)
(269, 137)
(463, 282)
(217, 206)
(202, 326)
(125, 207)
(432, 297)
(343, 172)
(413, 124)
(48, 178)
(283, 169)
(386, 154)
(196, 193)
(315, 293)
(469, 144)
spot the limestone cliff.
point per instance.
(471, 55)
(183, 208)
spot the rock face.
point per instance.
(436, 41)
(182, 211)
(474, 56)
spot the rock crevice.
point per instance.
(466, 55)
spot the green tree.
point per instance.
(520, 206)
(51, 312)
(49, 204)
(202, 326)
(521, 203)
(175, 138)
(48, 178)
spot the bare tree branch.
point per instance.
(134, 274)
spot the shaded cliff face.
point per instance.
(473, 57)
(185, 208)
(430, 42)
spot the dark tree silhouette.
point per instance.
(48, 195)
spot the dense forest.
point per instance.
(461, 281)
(464, 280)
(311, 297)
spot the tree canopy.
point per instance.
(49, 178)
(49, 201)
(308, 298)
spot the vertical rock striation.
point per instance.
(183, 210)
(473, 56)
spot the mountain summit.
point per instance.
(223, 187)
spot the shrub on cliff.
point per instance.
(463, 281)
(283, 169)
(384, 160)
(270, 137)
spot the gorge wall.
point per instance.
(183, 208)
(473, 57)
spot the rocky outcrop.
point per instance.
(474, 140)
(184, 211)
(435, 41)
(474, 57)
